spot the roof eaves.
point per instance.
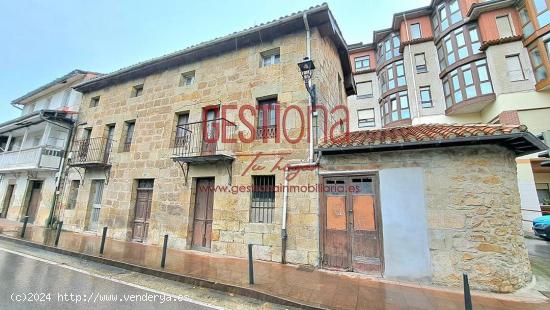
(197, 47)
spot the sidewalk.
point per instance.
(314, 289)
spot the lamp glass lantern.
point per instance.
(306, 69)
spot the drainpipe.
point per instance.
(298, 164)
(412, 68)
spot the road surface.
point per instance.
(27, 282)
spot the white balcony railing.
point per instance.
(40, 157)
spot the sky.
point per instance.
(43, 40)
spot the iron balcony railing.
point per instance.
(204, 138)
(38, 157)
(93, 151)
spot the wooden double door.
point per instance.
(202, 218)
(351, 224)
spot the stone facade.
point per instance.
(472, 210)
(233, 78)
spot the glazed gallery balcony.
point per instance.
(90, 153)
(204, 141)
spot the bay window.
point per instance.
(543, 14)
(395, 107)
(467, 82)
(446, 15)
(389, 48)
(458, 45)
(392, 76)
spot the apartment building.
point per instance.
(33, 147)
(148, 153)
(461, 61)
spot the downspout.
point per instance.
(417, 107)
(298, 164)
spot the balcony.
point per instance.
(204, 141)
(91, 153)
(35, 158)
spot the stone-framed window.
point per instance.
(94, 102)
(129, 135)
(395, 107)
(262, 201)
(270, 57)
(137, 90)
(73, 194)
(187, 78)
(266, 124)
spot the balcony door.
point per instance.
(108, 143)
(351, 224)
(34, 200)
(94, 203)
(209, 131)
(84, 145)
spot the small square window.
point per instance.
(270, 57)
(364, 89)
(187, 78)
(94, 102)
(365, 118)
(137, 90)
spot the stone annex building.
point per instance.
(226, 143)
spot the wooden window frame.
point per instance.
(437, 21)
(385, 80)
(388, 110)
(128, 139)
(452, 38)
(411, 33)
(262, 130)
(394, 41)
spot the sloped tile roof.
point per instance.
(515, 137)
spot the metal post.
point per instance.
(467, 295)
(103, 236)
(25, 221)
(164, 247)
(58, 233)
(250, 265)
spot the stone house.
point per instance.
(428, 203)
(142, 164)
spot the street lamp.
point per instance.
(306, 69)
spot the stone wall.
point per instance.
(232, 78)
(473, 211)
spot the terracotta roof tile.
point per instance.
(418, 133)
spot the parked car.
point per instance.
(541, 226)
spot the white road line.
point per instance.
(180, 297)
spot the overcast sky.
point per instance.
(43, 40)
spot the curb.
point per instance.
(229, 288)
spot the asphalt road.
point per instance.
(31, 283)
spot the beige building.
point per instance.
(461, 61)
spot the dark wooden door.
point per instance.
(144, 199)
(8, 199)
(351, 225)
(34, 200)
(202, 223)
